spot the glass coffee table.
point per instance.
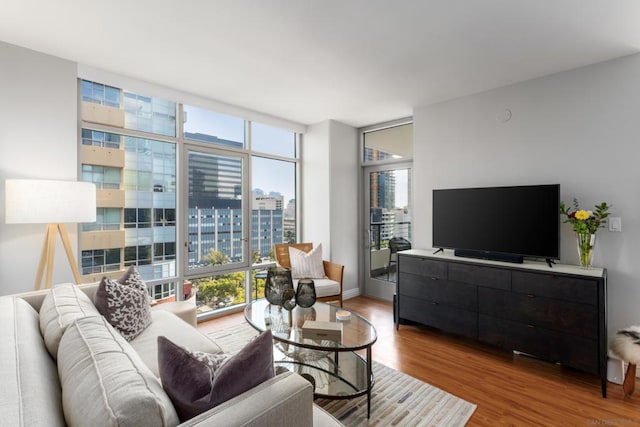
(338, 370)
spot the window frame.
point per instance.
(204, 271)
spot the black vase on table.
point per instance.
(306, 293)
(278, 286)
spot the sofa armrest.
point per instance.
(334, 271)
(284, 400)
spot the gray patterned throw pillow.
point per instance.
(125, 303)
(212, 360)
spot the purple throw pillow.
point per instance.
(194, 387)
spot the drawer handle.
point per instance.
(531, 327)
(434, 303)
(531, 295)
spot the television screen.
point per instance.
(519, 220)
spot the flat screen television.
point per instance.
(500, 223)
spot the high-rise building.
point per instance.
(383, 189)
(267, 222)
(136, 182)
(214, 229)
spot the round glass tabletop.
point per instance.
(357, 332)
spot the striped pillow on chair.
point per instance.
(306, 265)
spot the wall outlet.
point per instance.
(615, 223)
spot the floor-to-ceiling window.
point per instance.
(194, 198)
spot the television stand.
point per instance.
(556, 314)
(550, 262)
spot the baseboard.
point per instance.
(350, 293)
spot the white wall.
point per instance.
(343, 182)
(579, 128)
(330, 195)
(315, 181)
(38, 139)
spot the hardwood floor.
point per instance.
(508, 389)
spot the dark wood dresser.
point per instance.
(554, 313)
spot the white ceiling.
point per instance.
(356, 61)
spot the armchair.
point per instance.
(329, 289)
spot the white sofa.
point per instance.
(98, 378)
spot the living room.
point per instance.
(573, 124)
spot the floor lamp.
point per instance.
(55, 203)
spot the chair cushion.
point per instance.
(64, 304)
(125, 303)
(30, 390)
(324, 287)
(194, 387)
(104, 381)
(306, 265)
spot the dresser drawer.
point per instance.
(573, 351)
(481, 276)
(449, 319)
(422, 267)
(561, 287)
(558, 315)
(455, 294)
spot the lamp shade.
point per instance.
(33, 201)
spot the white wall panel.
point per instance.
(38, 139)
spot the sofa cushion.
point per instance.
(306, 264)
(125, 303)
(195, 388)
(168, 324)
(64, 304)
(104, 381)
(324, 287)
(30, 390)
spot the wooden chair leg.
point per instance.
(629, 384)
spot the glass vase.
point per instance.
(586, 246)
(278, 286)
(306, 293)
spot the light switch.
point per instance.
(615, 223)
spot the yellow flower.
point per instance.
(582, 215)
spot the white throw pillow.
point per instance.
(306, 265)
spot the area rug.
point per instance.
(397, 399)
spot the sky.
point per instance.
(402, 188)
